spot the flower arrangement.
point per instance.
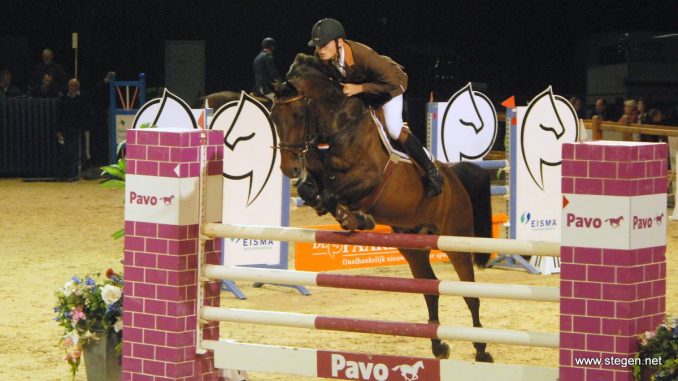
(658, 354)
(88, 308)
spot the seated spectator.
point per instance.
(630, 112)
(6, 86)
(643, 116)
(47, 88)
(655, 117)
(51, 67)
(578, 106)
(600, 109)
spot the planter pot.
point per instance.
(101, 363)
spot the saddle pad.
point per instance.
(386, 141)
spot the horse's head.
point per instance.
(296, 120)
(290, 114)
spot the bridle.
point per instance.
(299, 149)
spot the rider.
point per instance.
(367, 72)
(266, 76)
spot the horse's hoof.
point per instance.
(365, 221)
(484, 357)
(442, 351)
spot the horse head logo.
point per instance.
(170, 111)
(249, 139)
(469, 126)
(549, 122)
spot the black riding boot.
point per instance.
(432, 181)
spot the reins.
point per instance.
(299, 149)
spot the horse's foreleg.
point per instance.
(420, 266)
(463, 265)
(309, 191)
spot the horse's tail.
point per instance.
(476, 181)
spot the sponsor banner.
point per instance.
(122, 124)
(537, 139)
(311, 256)
(614, 222)
(463, 128)
(253, 184)
(368, 367)
(158, 200)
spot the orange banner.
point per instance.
(309, 256)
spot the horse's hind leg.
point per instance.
(420, 266)
(463, 265)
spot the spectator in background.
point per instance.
(655, 116)
(630, 112)
(47, 88)
(266, 77)
(643, 116)
(6, 86)
(51, 67)
(600, 109)
(578, 106)
(73, 113)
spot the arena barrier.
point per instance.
(612, 284)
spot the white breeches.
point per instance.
(393, 114)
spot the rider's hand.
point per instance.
(351, 89)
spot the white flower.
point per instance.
(110, 294)
(68, 288)
(117, 326)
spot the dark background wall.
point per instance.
(515, 47)
(506, 47)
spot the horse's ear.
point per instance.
(286, 89)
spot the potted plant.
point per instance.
(90, 311)
(657, 358)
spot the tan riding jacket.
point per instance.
(378, 74)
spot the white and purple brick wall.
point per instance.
(610, 296)
(160, 263)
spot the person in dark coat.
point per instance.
(51, 67)
(73, 113)
(379, 80)
(266, 77)
(6, 86)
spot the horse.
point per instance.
(409, 372)
(218, 99)
(330, 142)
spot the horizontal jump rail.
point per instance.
(391, 284)
(491, 164)
(423, 330)
(398, 240)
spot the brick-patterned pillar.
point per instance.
(613, 275)
(161, 242)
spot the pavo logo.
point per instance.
(525, 218)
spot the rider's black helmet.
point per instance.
(325, 31)
(268, 42)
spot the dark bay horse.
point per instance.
(331, 143)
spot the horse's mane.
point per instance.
(309, 66)
(303, 62)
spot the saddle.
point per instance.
(393, 147)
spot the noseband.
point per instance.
(299, 149)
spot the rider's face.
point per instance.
(328, 51)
